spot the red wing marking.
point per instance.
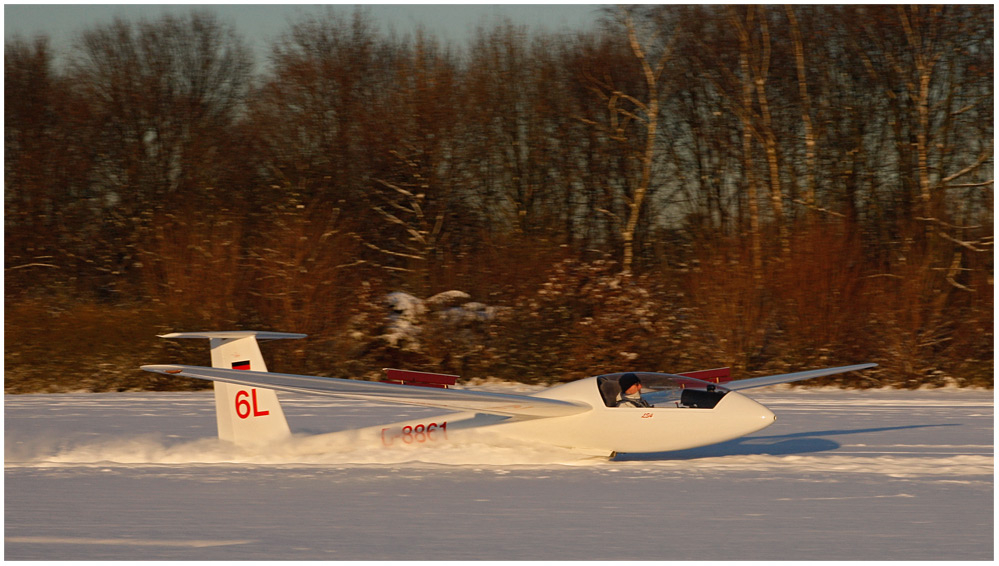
(718, 375)
(421, 378)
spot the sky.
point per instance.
(260, 24)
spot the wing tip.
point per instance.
(232, 334)
(162, 368)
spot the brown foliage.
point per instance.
(791, 203)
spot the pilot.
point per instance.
(631, 392)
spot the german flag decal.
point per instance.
(241, 365)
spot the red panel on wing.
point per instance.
(421, 378)
(718, 375)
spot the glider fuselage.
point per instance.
(602, 430)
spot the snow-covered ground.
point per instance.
(842, 475)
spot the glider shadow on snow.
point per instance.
(780, 445)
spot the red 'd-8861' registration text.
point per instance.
(414, 434)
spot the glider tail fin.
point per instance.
(245, 415)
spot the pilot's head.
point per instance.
(630, 384)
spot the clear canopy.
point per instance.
(659, 389)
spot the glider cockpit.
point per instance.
(664, 390)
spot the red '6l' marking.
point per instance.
(245, 408)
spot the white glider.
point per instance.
(581, 415)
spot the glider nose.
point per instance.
(766, 415)
(750, 415)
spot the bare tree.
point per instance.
(806, 108)
(39, 216)
(623, 109)
(159, 96)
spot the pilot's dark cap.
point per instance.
(627, 380)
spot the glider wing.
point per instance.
(517, 406)
(789, 377)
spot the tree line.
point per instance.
(775, 185)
